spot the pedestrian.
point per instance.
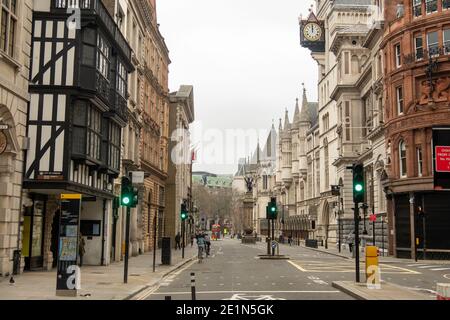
(178, 241)
(81, 249)
(290, 240)
(192, 240)
(207, 243)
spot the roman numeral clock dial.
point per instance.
(312, 32)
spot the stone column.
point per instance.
(248, 211)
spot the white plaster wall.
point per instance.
(93, 211)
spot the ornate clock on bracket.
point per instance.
(312, 33)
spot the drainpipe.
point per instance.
(103, 233)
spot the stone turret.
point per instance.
(286, 152)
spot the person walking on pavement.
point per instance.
(81, 249)
(178, 241)
(192, 240)
(290, 240)
(208, 244)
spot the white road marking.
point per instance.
(440, 269)
(233, 292)
(426, 267)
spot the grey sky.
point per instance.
(243, 58)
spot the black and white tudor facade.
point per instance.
(77, 109)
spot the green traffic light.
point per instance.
(274, 209)
(358, 187)
(126, 200)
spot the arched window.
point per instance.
(402, 158)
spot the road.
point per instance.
(235, 272)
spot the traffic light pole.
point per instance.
(183, 236)
(127, 247)
(273, 235)
(269, 240)
(357, 242)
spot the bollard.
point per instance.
(193, 285)
(443, 291)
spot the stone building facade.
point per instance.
(298, 171)
(416, 37)
(15, 65)
(179, 183)
(155, 131)
(350, 117)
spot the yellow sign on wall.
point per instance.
(70, 196)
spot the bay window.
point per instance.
(103, 57)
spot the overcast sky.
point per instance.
(244, 59)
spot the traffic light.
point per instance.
(358, 183)
(184, 212)
(135, 198)
(272, 210)
(127, 193)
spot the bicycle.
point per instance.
(200, 254)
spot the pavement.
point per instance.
(235, 272)
(98, 282)
(386, 291)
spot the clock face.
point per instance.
(312, 32)
(3, 142)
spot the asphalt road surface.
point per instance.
(235, 272)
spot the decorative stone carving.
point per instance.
(441, 92)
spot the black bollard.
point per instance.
(193, 285)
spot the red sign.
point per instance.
(373, 218)
(442, 159)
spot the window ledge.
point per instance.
(13, 62)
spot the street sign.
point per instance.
(4, 127)
(373, 217)
(137, 177)
(442, 159)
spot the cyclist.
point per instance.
(201, 247)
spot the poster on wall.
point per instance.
(441, 158)
(67, 281)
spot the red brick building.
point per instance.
(417, 36)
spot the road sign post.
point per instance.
(373, 218)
